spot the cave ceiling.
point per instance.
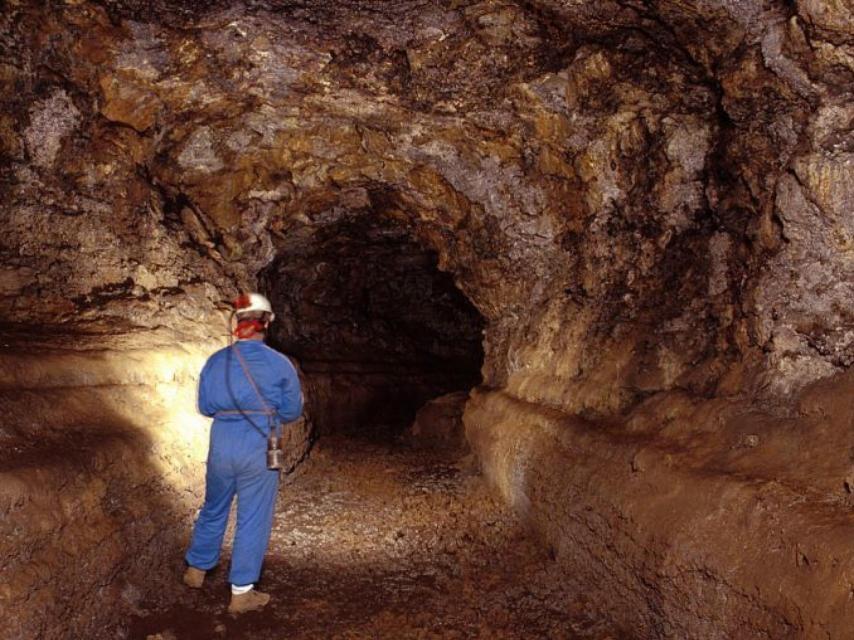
(655, 179)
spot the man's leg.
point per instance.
(256, 501)
(205, 547)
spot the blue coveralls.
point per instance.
(237, 458)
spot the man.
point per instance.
(247, 391)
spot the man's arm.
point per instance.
(206, 407)
(290, 407)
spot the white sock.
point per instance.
(237, 590)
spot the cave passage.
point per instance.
(376, 328)
(602, 248)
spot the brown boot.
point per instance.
(194, 578)
(252, 600)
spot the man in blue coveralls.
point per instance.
(246, 391)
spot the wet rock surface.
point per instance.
(378, 541)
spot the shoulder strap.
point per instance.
(249, 377)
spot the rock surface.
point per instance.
(376, 327)
(649, 205)
(102, 455)
(607, 170)
(718, 522)
(439, 423)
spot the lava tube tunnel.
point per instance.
(566, 288)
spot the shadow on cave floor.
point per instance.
(373, 540)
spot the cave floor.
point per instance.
(383, 541)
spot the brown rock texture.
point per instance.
(647, 206)
(439, 423)
(718, 521)
(101, 455)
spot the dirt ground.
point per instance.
(384, 541)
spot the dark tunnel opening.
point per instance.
(376, 328)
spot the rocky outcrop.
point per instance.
(439, 423)
(688, 519)
(648, 204)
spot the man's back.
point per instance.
(224, 387)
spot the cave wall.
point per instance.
(649, 204)
(689, 519)
(99, 482)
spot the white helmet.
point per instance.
(247, 302)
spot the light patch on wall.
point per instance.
(50, 121)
